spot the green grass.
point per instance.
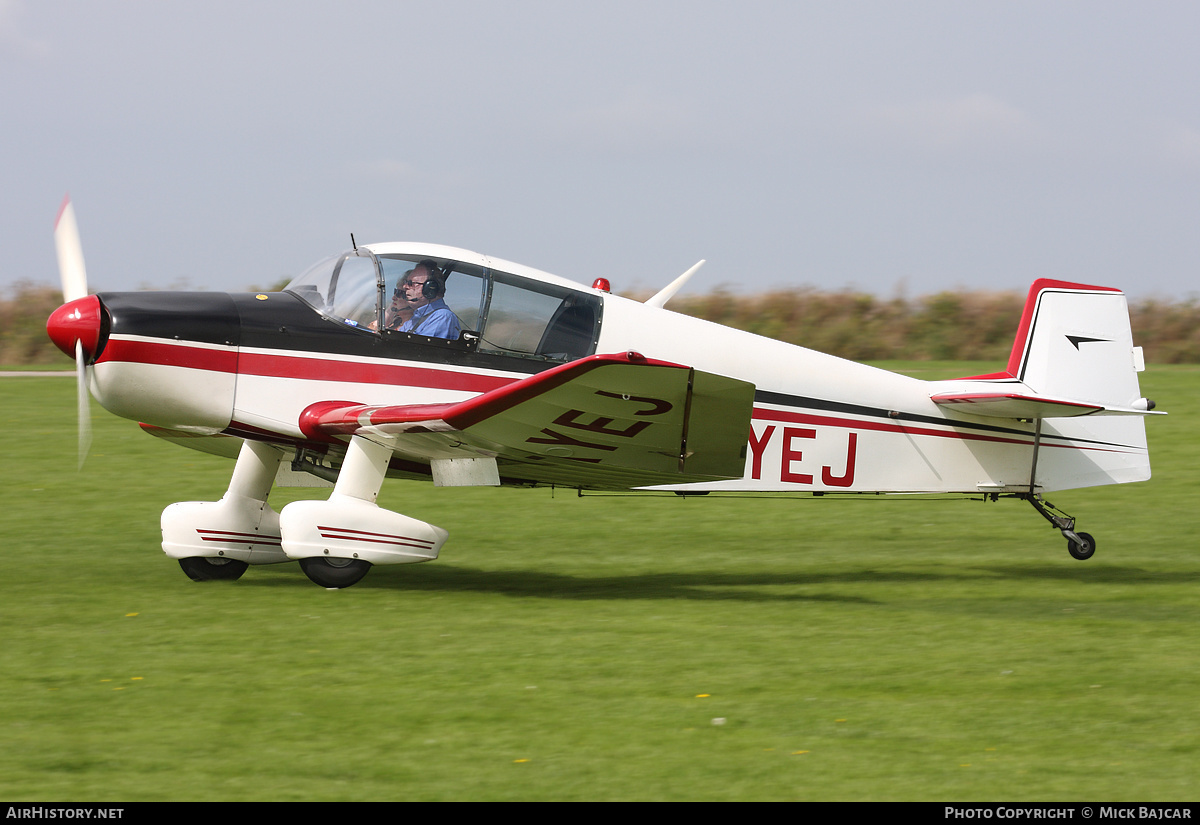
(581, 648)
(56, 367)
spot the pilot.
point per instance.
(424, 288)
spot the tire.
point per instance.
(334, 572)
(207, 569)
(1084, 548)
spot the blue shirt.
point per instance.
(435, 319)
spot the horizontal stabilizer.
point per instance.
(611, 421)
(1018, 405)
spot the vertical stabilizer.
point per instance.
(1075, 342)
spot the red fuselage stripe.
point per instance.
(761, 414)
(170, 355)
(297, 366)
(320, 369)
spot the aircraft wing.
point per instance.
(606, 421)
(1026, 405)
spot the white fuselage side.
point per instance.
(826, 424)
(820, 423)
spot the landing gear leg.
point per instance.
(337, 541)
(1080, 545)
(216, 540)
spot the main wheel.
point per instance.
(334, 572)
(1082, 549)
(212, 568)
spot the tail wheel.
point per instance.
(334, 572)
(1082, 549)
(205, 569)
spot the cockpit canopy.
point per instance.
(496, 312)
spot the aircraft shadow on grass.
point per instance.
(706, 586)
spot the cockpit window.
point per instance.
(535, 320)
(447, 302)
(345, 287)
(484, 310)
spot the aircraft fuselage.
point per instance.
(200, 364)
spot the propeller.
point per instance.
(74, 286)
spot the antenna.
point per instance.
(660, 298)
(352, 243)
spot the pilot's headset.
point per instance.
(435, 286)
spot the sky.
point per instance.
(897, 148)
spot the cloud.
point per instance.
(970, 121)
(1180, 146)
(386, 168)
(12, 34)
(634, 122)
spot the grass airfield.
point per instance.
(601, 647)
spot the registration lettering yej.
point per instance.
(429, 362)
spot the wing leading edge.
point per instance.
(606, 421)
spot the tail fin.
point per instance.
(1073, 364)
(1074, 342)
(1073, 355)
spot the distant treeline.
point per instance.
(948, 326)
(23, 314)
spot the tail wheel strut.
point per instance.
(1080, 545)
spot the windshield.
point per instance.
(346, 287)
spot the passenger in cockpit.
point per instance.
(399, 311)
(424, 287)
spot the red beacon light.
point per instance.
(602, 285)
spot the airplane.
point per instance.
(518, 377)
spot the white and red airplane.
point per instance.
(422, 361)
